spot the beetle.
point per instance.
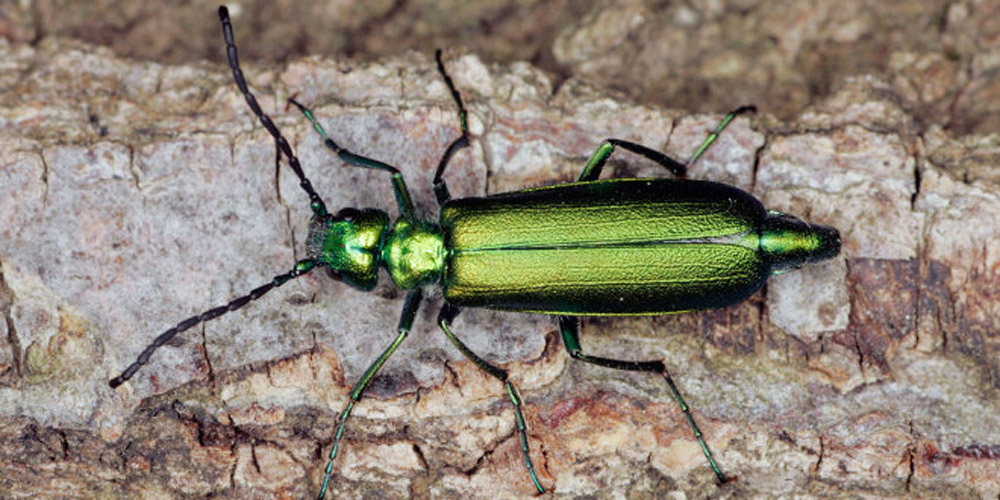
(613, 247)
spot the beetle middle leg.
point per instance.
(445, 317)
(596, 162)
(405, 322)
(440, 187)
(570, 328)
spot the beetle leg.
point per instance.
(403, 200)
(596, 163)
(405, 321)
(445, 317)
(718, 129)
(570, 328)
(440, 187)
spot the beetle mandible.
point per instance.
(615, 247)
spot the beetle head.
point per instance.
(349, 244)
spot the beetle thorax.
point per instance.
(414, 254)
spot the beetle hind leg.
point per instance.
(713, 135)
(569, 326)
(445, 317)
(600, 157)
(596, 162)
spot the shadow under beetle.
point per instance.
(616, 247)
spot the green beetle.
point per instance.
(618, 247)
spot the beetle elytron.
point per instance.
(589, 248)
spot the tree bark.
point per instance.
(135, 195)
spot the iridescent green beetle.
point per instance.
(617, 247)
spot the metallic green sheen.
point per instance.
(600, 212)
(350, 247)
(611, 247)
(789, 242)
(414, 254)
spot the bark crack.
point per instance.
(819, 459)
(917, 180)
(204, 348)
(486, 158)
(253, 458)
(133, 170)
(910, 455)
(45, 178)
(758, 154)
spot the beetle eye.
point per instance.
(333, 273)
(347, 214)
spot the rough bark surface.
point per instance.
(940, 57)
(134, 194)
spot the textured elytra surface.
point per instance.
(136, 194)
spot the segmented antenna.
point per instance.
(318, 207)
(301, 267)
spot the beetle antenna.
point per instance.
(301, 267)
(318, 207)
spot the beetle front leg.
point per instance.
(570, 328)
(445, 317)
(403, 200)
(405, 322)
